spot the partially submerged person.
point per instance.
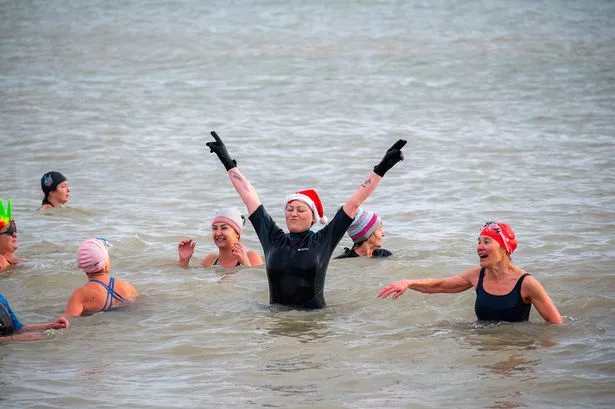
(296, 262)
(11, 329)
(366, 233)
(226, 232)
(102, 292)
(8, 237)
(56, 190)
(504, 292)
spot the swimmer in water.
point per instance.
(366, 233)
(56, 190)
(226, 231)
(296, 262)
(504, 292)
(102, 292)
(8, 238)
(11, 329)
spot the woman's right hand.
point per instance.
(397, 289)
(185, 248)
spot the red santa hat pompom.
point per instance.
(310, 198)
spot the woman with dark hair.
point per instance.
(56, 190)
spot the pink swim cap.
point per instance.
(92, 256)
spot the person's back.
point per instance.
(102, 292)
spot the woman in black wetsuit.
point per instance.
(504, 292)
(297, 261)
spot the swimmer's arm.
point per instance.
(245, 189)
(537, 295)
(23, 336)
(453, 284)
(59, 323)
(74, 305)
(361, 194)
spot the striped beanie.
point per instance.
(364, 224)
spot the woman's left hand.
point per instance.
(241, 254)
(60, 323)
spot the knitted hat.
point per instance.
(502, 233)
(233, 217)
(5, 214)
(310, 198)
(92, 255)
(50, 181)
(364, 224)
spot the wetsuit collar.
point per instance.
(297, 236)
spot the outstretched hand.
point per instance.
(397, 289)
(392, 156)
(219, 148)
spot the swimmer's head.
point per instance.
(502, 233)
(50, 181)
(5, 214)
(233, 217)
(364, 224)
(92, 255)
(310, 198)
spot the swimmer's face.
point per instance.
(223, 235)
(8, 242)
(376, 238)
(489, 251)
(299, 216)
(61, 193)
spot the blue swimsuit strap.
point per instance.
(111, 294)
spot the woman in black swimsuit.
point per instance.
(296, 262)
(504, 292)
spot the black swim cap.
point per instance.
(50, 181)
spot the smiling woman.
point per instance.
(226, 232)
(296, 262)
(504, 292)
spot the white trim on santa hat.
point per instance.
(308, 201)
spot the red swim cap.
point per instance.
(502, 233)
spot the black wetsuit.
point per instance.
(297, 263)
(508, 307)
(349, 253)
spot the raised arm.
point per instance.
(453, 284)
(239, 181)
(391, 157)
(537, 295)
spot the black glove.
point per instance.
(393, 155)
(219, 149)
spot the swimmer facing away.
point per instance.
(297, 261)
(102, 292)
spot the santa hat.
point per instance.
(310, 198)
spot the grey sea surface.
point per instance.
(508, 112)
